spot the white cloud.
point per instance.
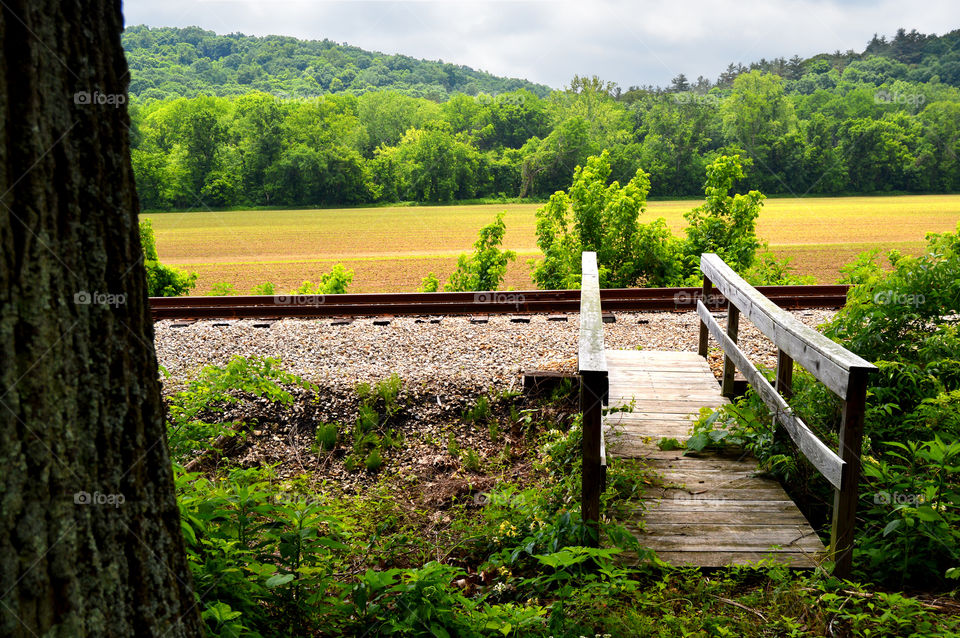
(549, 41)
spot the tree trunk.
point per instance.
(90, 540)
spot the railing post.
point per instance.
(784, 383)
(784, 386)
(733, 326)
(704, 333)
(593, 390)
(845, 499)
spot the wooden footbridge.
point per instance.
(712, 509)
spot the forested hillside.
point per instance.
(886, 119)
(167, 62)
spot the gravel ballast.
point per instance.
(436, 355)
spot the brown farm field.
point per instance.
(392, 248)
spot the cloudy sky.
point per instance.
(547, 41)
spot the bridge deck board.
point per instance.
(710, 509)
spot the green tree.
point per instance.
(676, 131)
(486, 267)
(940, 154)
(388, 115)
(755, 116)
(435, 165)
(200, 127)
(881, 154)
(258, 131)
(596, 216)
(725, 224)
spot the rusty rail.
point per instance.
(460, 303)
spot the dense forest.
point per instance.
(167, 62)
(277, 121)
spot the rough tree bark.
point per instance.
(90, 541)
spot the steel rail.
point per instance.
(473, 303)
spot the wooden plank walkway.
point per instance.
(711, 510)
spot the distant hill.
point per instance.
(170, 62)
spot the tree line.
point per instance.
(860, 131)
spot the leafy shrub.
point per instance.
(724, 224)
(263, 562)
(222, 289)
(911, 500)
(430, 283)
(162, 281)
(263, 289)
(905, 320)
(595, 215)
(334, 282)
(767, 270)
(592, 216)
(486, 268)
(190, 428)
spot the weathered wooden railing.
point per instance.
(837, 368)
(594, 385)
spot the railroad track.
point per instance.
(473, 303)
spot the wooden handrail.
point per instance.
(821, 456)
(827, 360)
(842, 371)
(594, 388)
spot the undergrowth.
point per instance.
(275, 556)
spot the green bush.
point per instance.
(222, 289)
(604, 217)
(263, 289)
(192, 424)
(162, 281)
(334, 282)
(487, 266)
(724, 224)
(263, 562)
(430, 283)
